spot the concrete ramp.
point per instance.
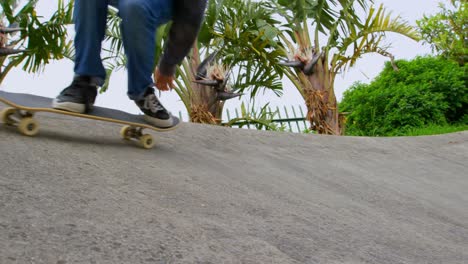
(78, 194)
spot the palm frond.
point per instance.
(368, 39)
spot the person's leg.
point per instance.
(90, 26)
(140, 20)
(90, 23)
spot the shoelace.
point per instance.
(152, 103)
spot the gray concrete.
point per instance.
(78, 194)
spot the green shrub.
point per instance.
(426, 90)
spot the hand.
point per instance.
(163, 82)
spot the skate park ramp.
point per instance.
(77, 193)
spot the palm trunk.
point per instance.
(319, 95)
(205, 108)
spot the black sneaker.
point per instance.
(155, 113)
(79, 97)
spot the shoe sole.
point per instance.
(69, 106)
(159, 122)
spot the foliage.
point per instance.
(43, 40)
(447, 31)
(324, 14)
(367, 38)
(426, 90)
(246, 34)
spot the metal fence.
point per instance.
(290, 119)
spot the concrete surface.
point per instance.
(78, 194)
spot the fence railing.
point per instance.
(291, 118)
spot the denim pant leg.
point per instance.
(90, 23)
(140, 19)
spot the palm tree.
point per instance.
(239, 42)
(37, 42)
(334, 41)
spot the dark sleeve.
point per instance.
(186, 23)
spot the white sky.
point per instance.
(59, 74)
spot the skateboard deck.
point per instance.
(22, 108)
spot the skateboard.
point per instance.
(22, 108)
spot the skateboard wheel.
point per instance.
(146, 141)
(28, 126)
(6, 116)
(125, 132)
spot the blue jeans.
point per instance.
(140, 19)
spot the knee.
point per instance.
(132, 10)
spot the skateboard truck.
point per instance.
(23, 120)
(131, 132)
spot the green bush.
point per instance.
(426, 90)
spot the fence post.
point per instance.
(180, 116)
(295, 117)
(305, 118)
(228, 115)
(279, 115)
(287, 117)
